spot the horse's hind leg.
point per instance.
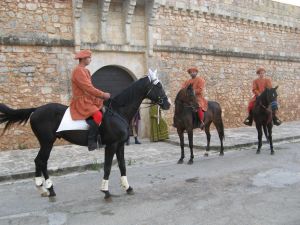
(41, 162)
(208, 136)
(122, 167)
(181, 138)
(270, 138)
(259, 136)
(191, 145)
(220, 129)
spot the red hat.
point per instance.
(193, 69)
(260, 69)
(83, 54)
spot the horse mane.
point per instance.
(126, 96)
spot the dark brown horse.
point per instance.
(262, 115)
(186, 118)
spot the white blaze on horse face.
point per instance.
(124, 182)
(104, 185)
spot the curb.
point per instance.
(249, 144)
(56, 172)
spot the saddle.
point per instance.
(67, 123)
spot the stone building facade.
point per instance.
(226, 39)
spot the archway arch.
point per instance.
(112, 79)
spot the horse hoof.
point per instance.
(258, 152)
(180, 161)
(221, 154)
(107, 196)
(45, 194)
(130, 191)
(206, 154)
(272, 152)
(190, 162)
(51, 192)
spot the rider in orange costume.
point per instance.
(258, 86)
(87, 100)
(198, 84)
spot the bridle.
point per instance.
(186, 105)
(160, 99)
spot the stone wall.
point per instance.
(227, 44)
(226, 39)
(26, 21)
(36, 52)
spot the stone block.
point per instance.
(27, 69)
(31, 6)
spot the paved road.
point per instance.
(239, 188)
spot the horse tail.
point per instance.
(9, 116)
(222, 135)
(217, 114)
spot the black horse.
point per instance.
(186, 118)
(45, 120)
(262, 115)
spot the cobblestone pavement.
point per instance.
(19, 164)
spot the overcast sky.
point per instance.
(292, 2)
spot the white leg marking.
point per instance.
(39, 181)
(48, 183)
(104, 185)
(124, 182)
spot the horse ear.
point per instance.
(276, 87)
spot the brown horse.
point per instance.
(186, 118)
(262, 115)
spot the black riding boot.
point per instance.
(136, 140)
(248, 121)
(276, 121)
(93, 133)
(128, 141)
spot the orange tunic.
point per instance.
(85, 97)
(198, 84)
(258, 86)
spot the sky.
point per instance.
(292, 2)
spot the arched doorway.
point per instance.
(111, 79)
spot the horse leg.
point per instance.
(208, 136)
(108, 158)
(122, 167)
(259, 135)
(191, 145)
(41, 162)
(181, 138)
(220, 129)
(270, 138)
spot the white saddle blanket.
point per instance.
(68, 124)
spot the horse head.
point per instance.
(271, 94)
(156, 92)
(187, 98)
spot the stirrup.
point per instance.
(277, 122)
(247, 122)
